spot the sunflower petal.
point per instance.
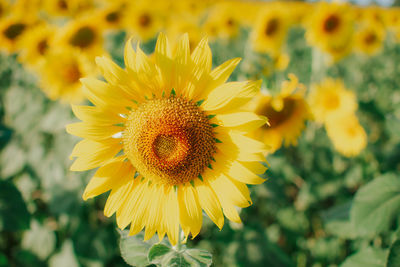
(92, 154)
(189, 210)
(92, 114)
(227, 189)
(242, 121)
(171, 211)
(242, 174)
(209, 203)
(92, 131)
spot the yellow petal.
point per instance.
(118, 77)
(164, 61)
(231, 95)
(107, 177)
(105, 96)
(92, 154)
(227, 189)
(248, 144)
(183, 67)
(171, 211)
(147, 74)
(256, 167)
(139, 211)
(220, 75)
(242, 174)
(189, 210)
(235, 151)
(94, 115)
(156, 195)
(209, 203)
(118, 196)
(92, 131)
(241, 121)
(129, 56)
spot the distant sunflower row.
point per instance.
(60, 39)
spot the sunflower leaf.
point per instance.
(156, 252)
(394, 254)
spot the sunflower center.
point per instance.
(14, 30)
(169, 140)
(42, 47)
(276, 118)
(112, 17)
(83, 37)
(144, 20)
(71, 73)
(331, 23)
(62, 4)
(370, 38)
(272, 27)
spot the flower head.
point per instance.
(168, 136)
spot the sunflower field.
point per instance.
(199, 133)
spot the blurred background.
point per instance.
(329, 200)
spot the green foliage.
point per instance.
(393, 259)
(368, 257)
(376, 204)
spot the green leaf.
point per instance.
(393, 259)
(368, 257)
(3, 260)
(200, 255)
(376, 204)
(13, 212)
(134, 250)
(157, 251)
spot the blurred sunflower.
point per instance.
(329, 98)
(222, 22)
(112, 16)
(35, 44)
(11, 30)
(60, 72)
(168, 137)
(370, 37)
(85, 34)
(270, 30)
(347, 135)
(67, 7)
(145, 19)
(177, 27)
(4, 7)
(286, 113)
(330, 28)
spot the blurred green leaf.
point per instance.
(39, 240)
(368, 257)
(3, 260)
(66, 257)
(13, 212)
(376, 204)
(393, 259)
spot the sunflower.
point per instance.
(329, 98)
(269, 33)
(222, 22)
(286, 113)
(331, 29)
(370, 37)
(11, 30)
(112, 16)
(60, 72)
(347, 135)
(35, 43)
(169, 139)
(145, 19)
(84, 34)
(66, 7)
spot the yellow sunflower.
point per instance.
(222, 22)
(329, 98)
(286, 113)
(347, 135)
(11, 30)
(330, 28)
(269, 33)
(66, 7)
(168, 138)
(370, 37)
(4, 8)
(60, 72)
(112, 16)
(35, 43)
(85, 34)
(145, 19)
